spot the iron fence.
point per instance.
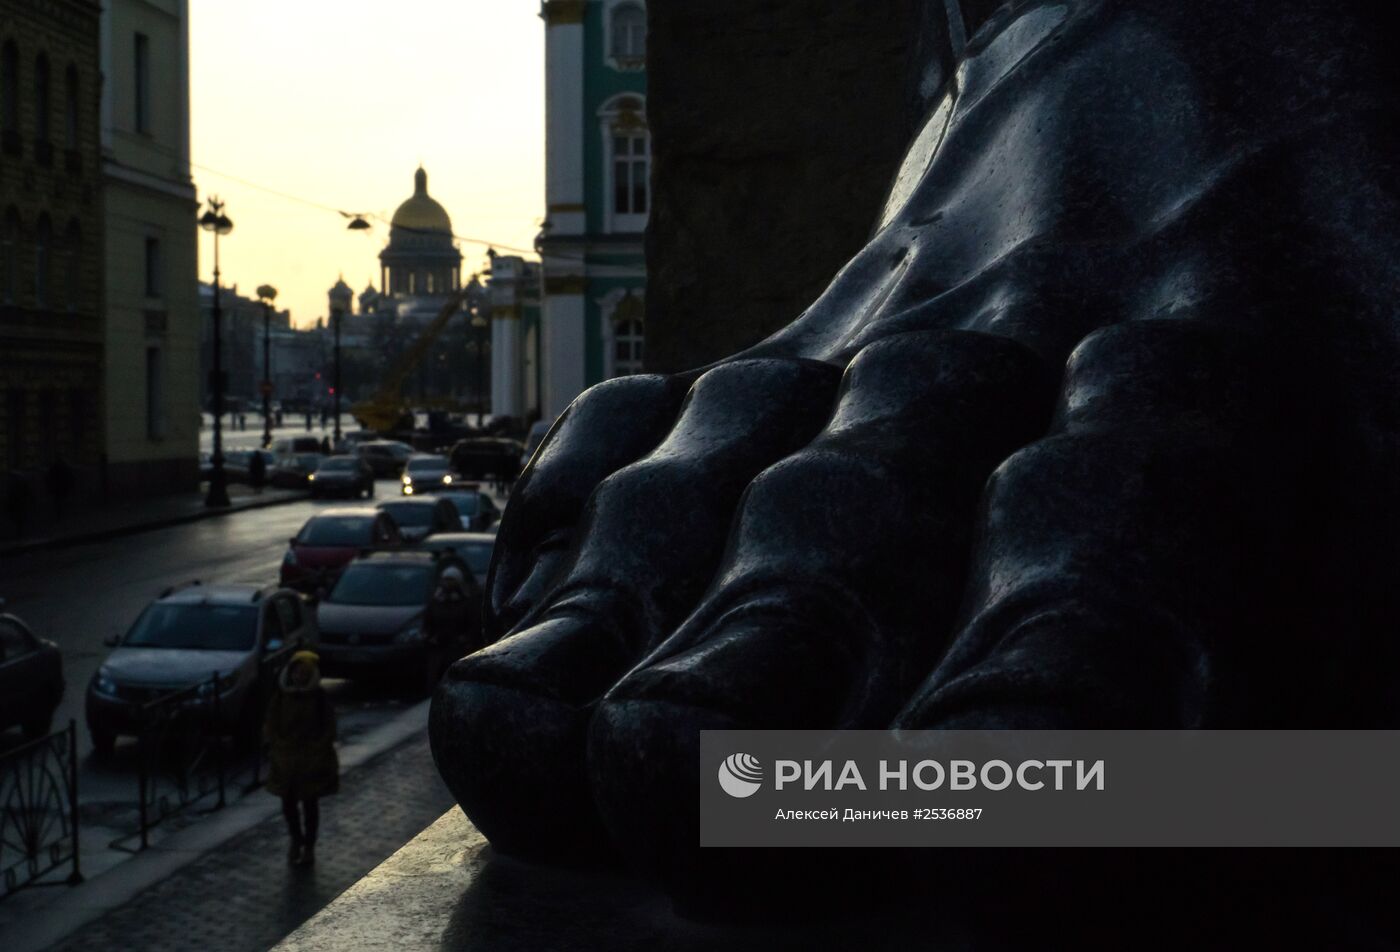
(39, 811)
(190, 755)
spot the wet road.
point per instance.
(78, 596)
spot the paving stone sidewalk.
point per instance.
(244, 896)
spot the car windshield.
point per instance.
(467, 505)
(427, 465)
(383, 583)
(337, 465)
(478, 556)
(336, 530)
(205, 626)
(409, 515)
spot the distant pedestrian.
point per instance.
(300, 734)
(308, 421)
(326, 445)
(257, 471)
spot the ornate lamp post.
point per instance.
(335, 381)
(479, 322)
(266, 295)
(216, 221)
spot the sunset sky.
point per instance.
(336, 102)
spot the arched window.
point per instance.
(9, 257)
(627, 348)
(42, 130)
(43, 261)
(70, 108)
(72, 258)
(9, 96)
(629, 35)
(627, 145)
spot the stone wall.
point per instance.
(777, 126)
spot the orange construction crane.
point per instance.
(384, 410)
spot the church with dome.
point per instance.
(421, 264)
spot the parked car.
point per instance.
(385, 457)
(538, 430)
(342, 475)
(296, 444)
(328, 541)
(401, 614)
(187, 636)
(487, 457)
(418, 518)
(294, 472)
(237, 463)
(426, 473)
(473, 548)
(477, 510)
(31, 678)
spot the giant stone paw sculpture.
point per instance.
(1099, 430)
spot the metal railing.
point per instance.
(39, 811)
(184, 759)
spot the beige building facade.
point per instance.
(151, 409)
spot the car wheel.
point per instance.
(103, 743)
(37, 725)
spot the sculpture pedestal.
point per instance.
(447, 889)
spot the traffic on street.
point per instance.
(200, 618)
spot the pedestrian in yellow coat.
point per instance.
(300, 735)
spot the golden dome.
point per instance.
(422, 213)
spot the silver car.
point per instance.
(187, 636)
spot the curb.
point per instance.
(81, 904)
(102, 535)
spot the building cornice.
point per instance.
(563, 12)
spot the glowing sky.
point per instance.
(336, 102)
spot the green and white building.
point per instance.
(597, 191)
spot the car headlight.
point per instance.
(226, 683)
(311, 477)
(410, 633)
(103, 683)
(407, 479)
(407, 489)
(447, 478)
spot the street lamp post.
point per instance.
(335, 382)
(216, 221)
(479, 322)
(267, 294)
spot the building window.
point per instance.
(627, 145)
(627, 348)
(153, 282)
(72, 272)
(629, 36)
(631, 170)
(70, 108)
(9, 257)
(43, 261)
(41, 100)
(155, 408)
(9, 96)
(143, 83)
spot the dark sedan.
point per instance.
(294, 471)
(495, 458)
(342, 476)
(420, 517)
(385, 457)
(329, 540)
(31, 678)
(426, 473)
(406, 614)
(477, 510)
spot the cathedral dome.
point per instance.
(420, 212)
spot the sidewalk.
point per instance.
(94, 523)
(239, 893)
